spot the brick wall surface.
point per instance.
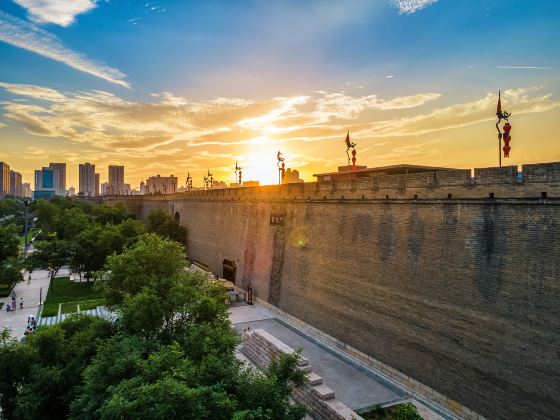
(262, 348)
(460, 294)
(541, 172)
(505, 174)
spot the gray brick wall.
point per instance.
(459, 294)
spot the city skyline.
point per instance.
(184, 87)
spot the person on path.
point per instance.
(14, 295)
(21, 303)
(13, 304)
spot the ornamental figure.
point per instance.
(503, 115)
(351, 145)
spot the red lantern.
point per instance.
(507, 139)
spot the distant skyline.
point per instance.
(170, 87)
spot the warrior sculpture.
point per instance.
(351, 145)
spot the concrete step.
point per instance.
(302, 361)
(314, 379)
(325, 393)
(306, 368)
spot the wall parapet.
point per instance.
(500, 175)
(538, 181)
(541, 172)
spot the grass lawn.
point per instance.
(72, 307)
(65, 291)
(31, 234)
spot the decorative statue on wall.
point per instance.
(503, 115)
(238, 173)
(281, 167)
(350, 145)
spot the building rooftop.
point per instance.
(364, 171)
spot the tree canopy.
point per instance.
(169, 353)
(165, 225)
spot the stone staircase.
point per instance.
(261, 348)
(100, 311)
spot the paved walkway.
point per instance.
(16, 321)
(355, 386)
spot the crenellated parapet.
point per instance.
(535, 181)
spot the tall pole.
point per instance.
(25, 223)
(500, 151)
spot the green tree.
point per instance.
(407, 411)
(9, 242)
(52, 256)
(165, 225)
(47, 215)
(131, 230)
(106, 214)
(69, 223)
(10, 272)
(58, 356)
(15, 365)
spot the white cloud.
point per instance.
(526, 68)
(411, 6)
(59, 12)
(25, 35)
(36, 92)
(2, 125)
(170, 125)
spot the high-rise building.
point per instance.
(97, 180)
(86, 179)
(59, 171)
(142, 188)
(104, 188)
(116, 180)
(44, 183)
(4, 179)
(161, 184)
(26, 188)
(15, 184)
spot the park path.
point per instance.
(16, 321)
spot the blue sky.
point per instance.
(451, 53)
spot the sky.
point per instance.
(177, 87)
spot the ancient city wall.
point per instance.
(451, 280)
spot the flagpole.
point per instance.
(500, 152)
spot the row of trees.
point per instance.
(170, 353)
(11, 224)
(82, 236)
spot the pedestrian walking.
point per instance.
(13, 304)
(21, 303)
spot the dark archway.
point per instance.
(229, 270)
(177, 217)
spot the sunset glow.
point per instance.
(183, 87)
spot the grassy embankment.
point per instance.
(71, 294)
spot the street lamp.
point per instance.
(26, 225)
